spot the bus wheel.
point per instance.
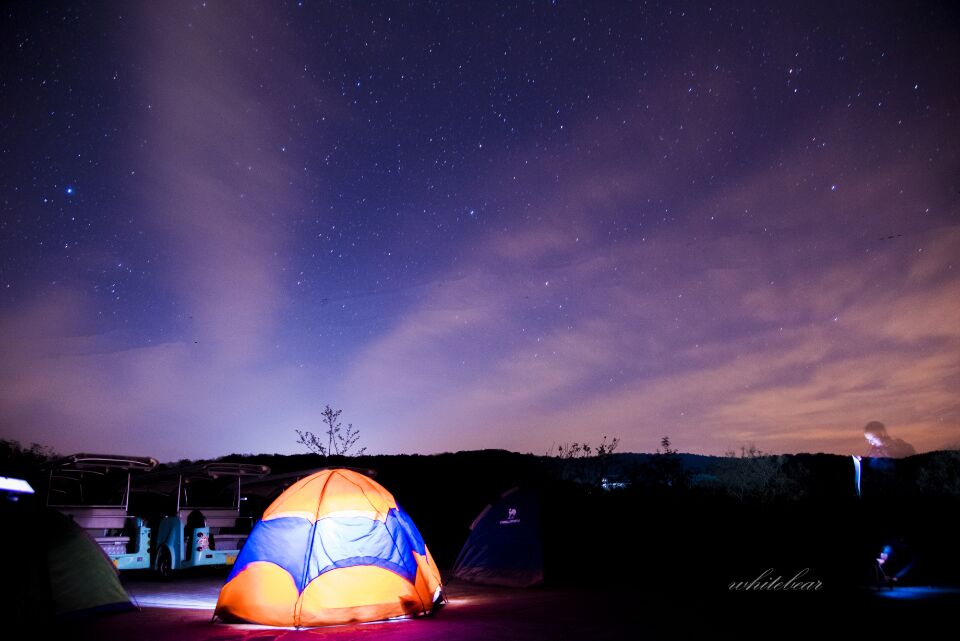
(164, 564)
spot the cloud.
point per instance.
(216, 185)
(776, 312)
(102, 391)
(213, 184)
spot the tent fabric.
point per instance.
(333, 548)
(504, 546)
(65, 574)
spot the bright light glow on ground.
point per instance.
(188, 594)
(175, 600)
(917, 593)
(201, 593)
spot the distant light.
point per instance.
(608, 484)
(16, 486)
(69, 190)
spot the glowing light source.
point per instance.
(856, 473)
(15, 486)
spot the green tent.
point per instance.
(56, 569)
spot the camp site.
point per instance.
(479, 320)
(515, 546)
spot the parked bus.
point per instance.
(94, 490)
(197, 509)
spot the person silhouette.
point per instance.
(883, 578)
(882, 445)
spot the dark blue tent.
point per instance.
(504, 546)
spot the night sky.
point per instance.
(479, 225)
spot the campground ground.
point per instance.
(652, 560)
(181, 610)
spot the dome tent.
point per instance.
(65, 575)
(333, 548)
(504, 546)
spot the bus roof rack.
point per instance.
(86, 461)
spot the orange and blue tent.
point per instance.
(333, 548)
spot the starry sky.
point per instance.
(479, 225)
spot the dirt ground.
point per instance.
(181, 610)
